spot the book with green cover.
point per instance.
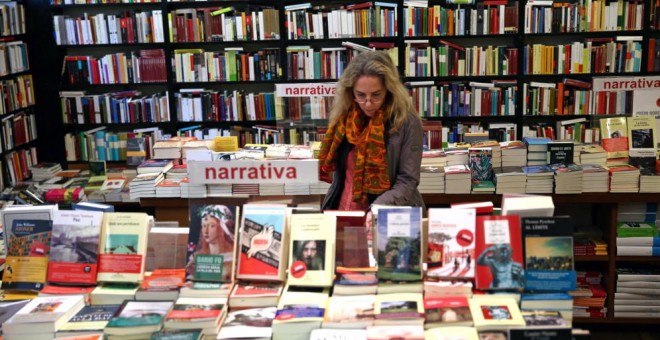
(138, 317)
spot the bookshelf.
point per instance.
(18, 107)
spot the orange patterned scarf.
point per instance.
(370, 172)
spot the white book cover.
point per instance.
(312, 250)
(43, 314)
(451, 243)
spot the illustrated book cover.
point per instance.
(499, 252)
(451, 242)
(123, 248)
(263, 243)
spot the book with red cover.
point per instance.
(74, 252)
(499, 264)
(350, 219)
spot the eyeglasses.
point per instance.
(363, 99)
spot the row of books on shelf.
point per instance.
(17, 93)
(230, 64)
(126, 107)
(13, 57)
(12, 15)
(365, 20)
(143, 66)
(18, 129)
(213, 24)
(488, 18)
(128, 27)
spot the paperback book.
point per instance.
(451, 243)
(263, 243)
(123, 247)
(500, 254)
(27, 254)
(312, 250)
(398, 243)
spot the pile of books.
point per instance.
(431, 180)
(637, 293)
(624, 178)
(568, 178)
(540, 179)
(595, 178)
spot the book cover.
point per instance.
(614, 136)
(500, 253)
(560, 152)
(451, 243)
(255, 294)
(43, 314)
(212, 242)
(399, 243)
(548, 243)
(74, 248)
(189, 312)
(642, 141)
(263, 243)
(138, 317)
(447, 311)
(491, 312)
(28, 247)
(350, 311)
(92, 318)
(123, 247)
(399, 309)
(253, 322)
(481, 164)
(351, 247)
(9, 308)
(312, 249)
(14, 212)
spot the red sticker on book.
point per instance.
(464, 238)
(298, 269)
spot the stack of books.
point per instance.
(192, 190)
(168, 188)
(624, 178)
(457, 156)
(589, 300)
(436, 158)
(568, 178)
(245, 189)
(637, 293)
(202, 313)
(44, 171)
(167, 149)
(514, 153)
(595, 178)
(144, 185)
(539, 179)
(537, 148)
(151, 166)
(592, 154)
(271, 189)
(637, 239)
(221, 189)
(458, 179)
(510, 180)
(318, 188)
(588, 244)
(649, 182)
(42, 317)
(431, 180)
(296, 188)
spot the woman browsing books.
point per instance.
(373, 146)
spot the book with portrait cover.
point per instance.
(398, 242)
(28, 247)
(312, 250)
(263, 243)
(74, 247)
(499, 263)
(548, 243)
(451, 240)
(123, 247)
(212, 242)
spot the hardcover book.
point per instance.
(212, 242)
(75, 247)
(398, 243)
(499, 264)
(123, 247)
(263, 242)
(451, 243)
(27, 254)
(312, 250)
(549, 261)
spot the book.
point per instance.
(74, 247)
(138, 318)
(560, 152)
(43, 315)
(527, 205)
(398, 243)
(312, 249)
(161, 284)
(167, 247)
(14, 212)
(299, 311)
(614, 136)
(92, 206)
(451, 237)
(212, 242)
(113, 293)
(28, 247)
(499, 264)
(9, 308)
(123, 247)
(548, 244)
(355, 281)
(352, 245)
(208, 289)
(253, 323)
(399, 309)
(89, 320)
(456, 332)
(255, 294)
(447, 311)
(350, 311)
(541, 323)
(197, 313)
(263, 242)
(492, 312)
(338, 334)
(150, 166)
(642, 141)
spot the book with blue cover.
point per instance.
(399, 243)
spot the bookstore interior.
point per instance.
(160, 172)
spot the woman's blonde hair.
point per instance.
(376, 64)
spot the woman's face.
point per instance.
(369, 93)
(210, 229)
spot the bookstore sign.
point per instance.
(253, 171)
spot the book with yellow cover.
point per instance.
(123, 247)
(312, 250)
